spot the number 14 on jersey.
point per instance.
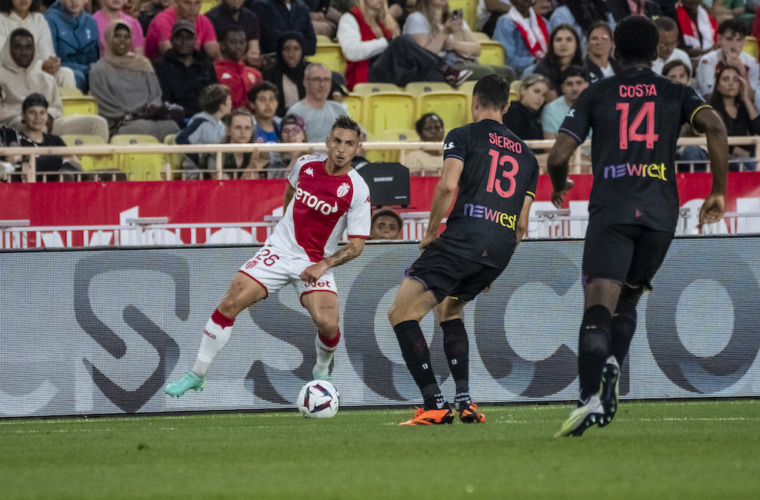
(630, 133)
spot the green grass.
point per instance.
(679, 450)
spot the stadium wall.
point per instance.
(101, 332)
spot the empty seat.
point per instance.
(79, 105)
(139, 166)
(364, 89)
(90, 162)
(450, 106)
(353, 104)
(330, 54)
(388, 111)
(417, 88)
(390, 155)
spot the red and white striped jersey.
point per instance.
(323, 207)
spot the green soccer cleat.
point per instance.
(610, 390)
(321, 372)
(189, 381)
(582, 418)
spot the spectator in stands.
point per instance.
(624, 8)
(8, 138)
(691, 158)
(386, 225)
(599, 62)
(573, 81)
(205, 127)
(732, 98)
(20, 76)
(667, 49)
(34, 119)
(159, 32)
(731, 9)
(428, 161)
(126, 89)
(230, 68)
(317, 112)
(678, 71)
(489, 13)
(324, 17)
(239, 125)
(149, 9)
(292, 131)
(287, 71)
(183, 71)
(524, 116)
(729, 53)
(75, 38)
(279, 16)
(262, 99)
(433, 26)
(113, 10)
(580, 15)
(364, 32)
(26, 14)
(699, 30)
(232, 13)
(564, 51)
(524, 35)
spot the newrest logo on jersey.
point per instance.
(654, 170)
(481, 212)
(312, 201)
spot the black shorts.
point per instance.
(449, 275)
(629, 255)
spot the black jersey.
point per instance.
(636, 117)
(499, 171)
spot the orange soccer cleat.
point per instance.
(431, 417)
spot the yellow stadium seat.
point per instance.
(353, 104)
(389, 155)
(90, 162)
(480, 36)
(364, 89)
(514, 90)
(69, 92)
(417, 88)
(450, 106)
(466, 88)
(139, 166)
(491, 53)
(207, 5)
(173, 159)
(79, 105)
(469, 11)
(330, 54)
(751, 46)
(388, 111)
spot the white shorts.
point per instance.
(273, 270)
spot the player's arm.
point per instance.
(442, 198)
(287, 197)
(522, 222)
(346, 253)
(708, 121)
(558, 167)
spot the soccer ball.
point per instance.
(318, 399)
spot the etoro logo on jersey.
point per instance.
(312, 201)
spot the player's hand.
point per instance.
(315, 271)
(712, 209)
(558, 197)
(425, 241)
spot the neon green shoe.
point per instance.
(189, 381)
(583, 417)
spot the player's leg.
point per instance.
(413, 302)
(323, 307)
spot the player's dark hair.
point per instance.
(262, 86)
(572, 71)
(666, 23)
(492, 92)
(212, 97)
(387, 212)
(346, 123)
(674, 64)
(419, 124)
(732, 26)
(636, 39)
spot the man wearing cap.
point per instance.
(184, 71)
(232, 13)
(19, 77)
(157, 39)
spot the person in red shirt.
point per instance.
(231, 69)
(157, 38)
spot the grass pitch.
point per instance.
(679, 450)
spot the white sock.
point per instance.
(214, 338)
(324, 353)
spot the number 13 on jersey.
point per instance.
(630, 134)
(494, 183)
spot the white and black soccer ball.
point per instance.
(318, 399)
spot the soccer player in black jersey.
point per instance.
(636, 117)
(496, 174)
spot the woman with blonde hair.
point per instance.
(524, 115)
(364, 32)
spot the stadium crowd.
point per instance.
(150, 66)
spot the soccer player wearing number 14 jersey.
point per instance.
(636, 117)
(324, 197)
(496, 174)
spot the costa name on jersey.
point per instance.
(323, 207)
